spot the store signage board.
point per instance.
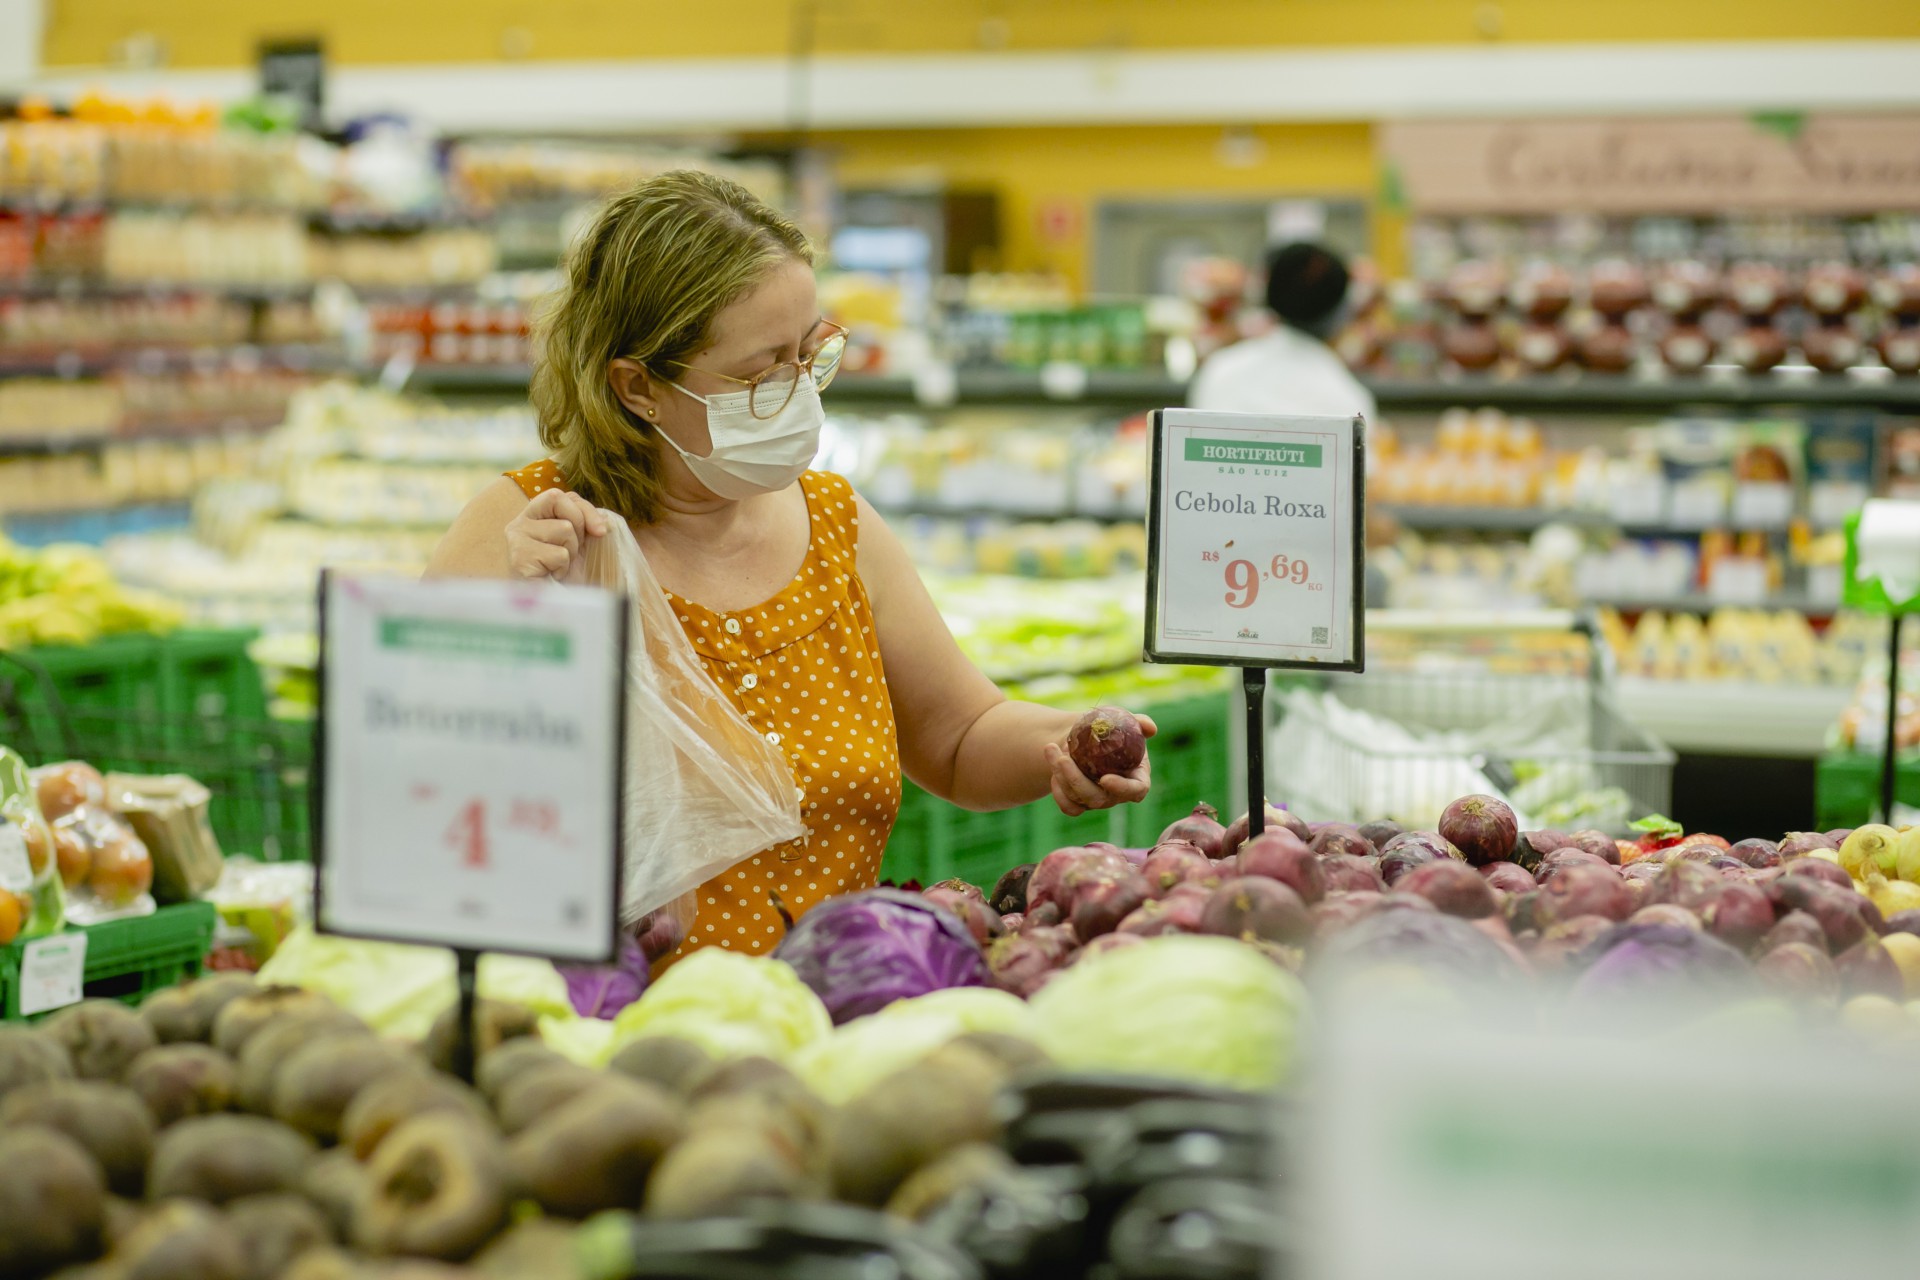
(1256, 546)
(1812, 164)
(470, 743)
(1686, 1178)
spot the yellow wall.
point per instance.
(203, 33)
(1043, 172)
(1053, 168)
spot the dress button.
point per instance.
(733, 626)
(774, 738)
(749, 680)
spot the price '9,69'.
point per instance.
(1244, 579)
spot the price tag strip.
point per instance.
(53, 972)
(1256, 552)
(471, 740)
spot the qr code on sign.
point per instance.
(1319, 635)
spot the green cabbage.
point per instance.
(860, 1053)
(731, 1005)
(1210, 1010)
(399, 990)
(587, 1041)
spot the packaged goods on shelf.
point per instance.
(490, 172)
(68, 595)
(1863, 725)
(1748, 645)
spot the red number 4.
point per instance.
(468, 834)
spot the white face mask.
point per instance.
(755, 455)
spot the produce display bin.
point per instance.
(934, 840)
(127, 960)
(1846, 787)
(202, 712)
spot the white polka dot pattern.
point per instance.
(809, 650)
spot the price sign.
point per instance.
(471, 737)
(52, 971)
(1257, 551)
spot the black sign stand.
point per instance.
(1254, 681)
(465, 1035)
(1888, 765)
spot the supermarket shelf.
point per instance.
(1489, 519)
(1734, 717)
(1143, 390)
(94, 525)
(151, 358)
(85, 442)
(1798, 602)
(937, 511)
(86, 287)
(1598, 394)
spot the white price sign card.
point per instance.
(53, 972)
(1256, 555)
(471, 748)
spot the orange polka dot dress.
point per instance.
(804, 668)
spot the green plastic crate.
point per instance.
(128, 960)
(1846, 787)
(934, 840)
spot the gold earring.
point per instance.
(653, 413)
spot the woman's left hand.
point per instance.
(1076, 793)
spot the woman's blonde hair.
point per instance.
(644, 282)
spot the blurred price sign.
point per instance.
(471, 740)
(1681, 1179)
(1256, 555)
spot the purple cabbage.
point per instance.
(1656, 974)
(861, 952)
(602, 990)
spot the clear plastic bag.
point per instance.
(32, 900)
(705, 790)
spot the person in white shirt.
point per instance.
(1292, 369)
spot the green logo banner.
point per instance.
(475, 640)
(1256, 453)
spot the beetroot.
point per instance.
(1903, 922)
(1340, 837)
(1667, 913)
(1800, 971)
(1378, 832)
(1236, 833)
(1799, 844)
(1567, 856)
(1177, 863)
(948, 889)
(1104, 943)
(1010, 890)
(1756, 852)
(1021, 964)
(1691, 884)
(1454, 887)
(1834, 909)
(1201, 828)
(1255, 908)
(1867, 969)
(1598, 843)
(1794, 926)
(1820, 869)
(1481, 827)
(1047, 915)
(1584, 890)
(1336, 911)
(1398, 862)
(1178, 912)
(1107, 742)
(1279, 855)
(1739, 915)
(1348, 872)
(1521, 910)
(1507, 877)
(1563, 941)
(1100, 905)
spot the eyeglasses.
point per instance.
(770, 391)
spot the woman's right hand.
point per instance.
(548, 538)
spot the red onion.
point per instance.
(1201, 828)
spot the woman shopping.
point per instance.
(677, 384)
